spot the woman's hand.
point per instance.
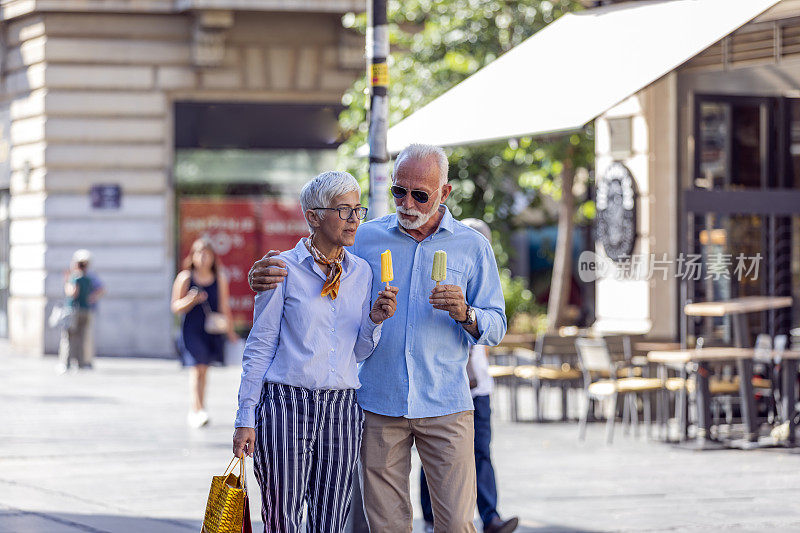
(244, 441)
(233, 337)
(197, 296)
(385, 305)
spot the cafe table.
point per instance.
(737, 309)
(744, 358)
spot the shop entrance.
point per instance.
(741, 215)
(238, 173)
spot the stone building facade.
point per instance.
(89, 93)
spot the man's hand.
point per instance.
(266, 273)
(449, 298)
(244, 441)
(385, 305)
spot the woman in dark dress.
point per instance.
(201, 289)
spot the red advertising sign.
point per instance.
(241, 230)
(282, 224)
(232, 227)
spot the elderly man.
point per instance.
(415, 388)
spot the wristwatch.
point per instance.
(470, 317)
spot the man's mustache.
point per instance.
(410, 211)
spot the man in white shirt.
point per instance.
(480, 384)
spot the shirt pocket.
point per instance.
(456, 276)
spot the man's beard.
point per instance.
(422, 218)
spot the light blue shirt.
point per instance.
(300, 338)
(419, 367)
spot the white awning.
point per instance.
(574, 70)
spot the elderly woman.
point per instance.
(297, 412)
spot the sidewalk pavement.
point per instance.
(109, 451)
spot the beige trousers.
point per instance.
(446, 448)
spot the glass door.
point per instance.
(737, 157)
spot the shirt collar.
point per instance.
(304, 255)
(447, 223)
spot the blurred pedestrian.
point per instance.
(77, 289)
(97, 291)
(200, 295)
(480, 384)
(298, 413)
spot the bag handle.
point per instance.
(228, 469)
(242, 473)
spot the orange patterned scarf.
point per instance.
(331, 286)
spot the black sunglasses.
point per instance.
(419, 196)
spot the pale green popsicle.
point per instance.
(439, 266)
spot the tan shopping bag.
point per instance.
(228, 507)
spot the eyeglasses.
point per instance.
(346, 212)
(419, 196)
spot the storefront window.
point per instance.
(279, 173)
(743, 143)
(794, 141)
(733, 146)
(721, 241)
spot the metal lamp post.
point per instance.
(378, 72)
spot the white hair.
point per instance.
(424, 151)
(320, 191)
(480, 226)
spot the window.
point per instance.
(620, 130)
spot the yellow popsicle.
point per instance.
(387, 273)
(439, 272)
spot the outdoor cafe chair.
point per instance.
(723, 389)
(555, 365)
(596, 361)
(778, 346)
(620, 346)
(505, 359)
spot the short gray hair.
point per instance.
(478, 225)
(321, 190)
(424, 151)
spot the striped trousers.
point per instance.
(307, 448)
